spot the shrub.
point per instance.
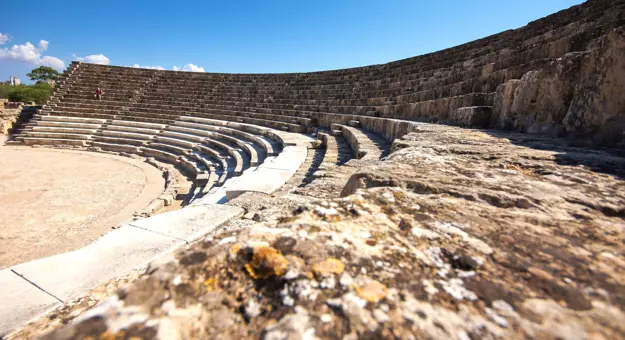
(4, 90)
(38, 93)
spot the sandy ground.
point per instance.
(53, 201)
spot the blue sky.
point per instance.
(248, 36)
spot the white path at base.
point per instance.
(21, 301)
(73, 274)
(190, 223)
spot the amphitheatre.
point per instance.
(474, 192)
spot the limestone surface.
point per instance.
(456, 234)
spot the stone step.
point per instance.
(175, 141)
(175, 133)
(123, 134)
(69, 125)
(120, 141)
(169, 148)
(69, 119)
(56, 135)
(132, 129)
(117, 147)
(53, 141)
(69, 130)
(160, 155)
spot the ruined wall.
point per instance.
(581, 94)
(8, 116)
(13, 115)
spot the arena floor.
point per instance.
(53, 201)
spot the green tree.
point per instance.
(38, 93)
(4, 91)
(43, 73)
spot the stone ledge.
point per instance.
(21, 301)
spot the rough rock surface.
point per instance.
(457, 234)
(580, 94)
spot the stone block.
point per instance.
(474, 116)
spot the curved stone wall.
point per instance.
(532, 79)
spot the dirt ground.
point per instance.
(53, 201)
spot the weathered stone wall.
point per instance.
(9, 113)
(581, 94)
(14, 115)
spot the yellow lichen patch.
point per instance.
(328, 266)
(107, 335)
(267, 262)
(373, 291)
(234, 250)
(211, 284)
(399, 195)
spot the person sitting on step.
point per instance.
(98, 93)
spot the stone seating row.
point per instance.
(438, 89)
(365, 145)
(230, 150)
(293, 124)
(492, 76)
(303, 108)
(547, 49)
(337, 153)
(207, 109)
(521, 45)
(516, 43)
(462, 53)
(170, 143)
(450, 91)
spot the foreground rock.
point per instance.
(458, 234)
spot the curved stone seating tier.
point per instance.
(166, 148)
(68, 125)
(87, 109)
(278, 118)
(80, 114)
(54, 129)
(365, 145)
(183, 144)
(337, 153)
(269, 140)
(219, 161)
(129, 128)
(255, 146)
(250, 152)
(240, 160)
(81, 120)
(129, 135)
(59, 130)
(193, 166)
(118, 145)
(431, 87)
(152, 120)
(267, 177)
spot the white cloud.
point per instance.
(30, 54)
(4, 38)
(149, 67)
(95, 59)
(189, 67)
